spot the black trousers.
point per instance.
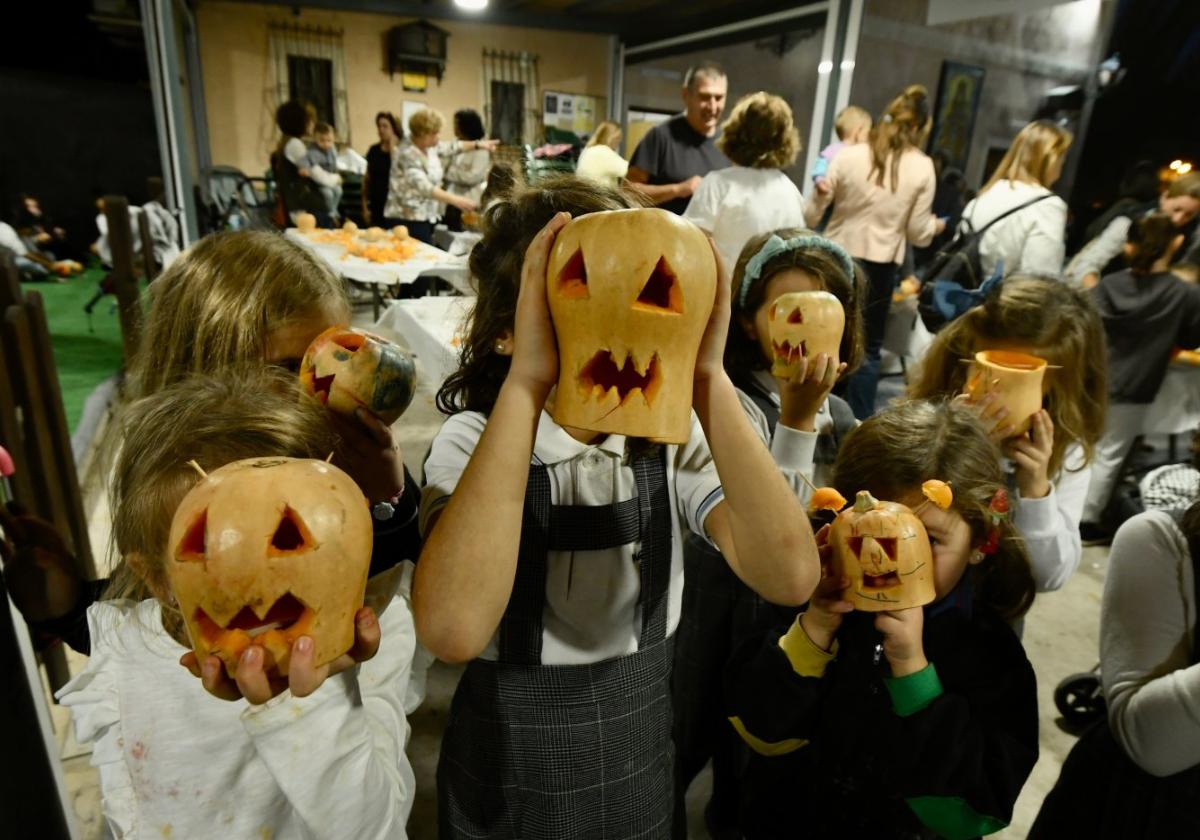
(862, 385)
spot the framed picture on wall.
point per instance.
(954, 114)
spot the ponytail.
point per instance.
(902, 126)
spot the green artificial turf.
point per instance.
(84, 358)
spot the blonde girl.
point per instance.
(560, 725)
(1048, 468)
(883, 197)
(1031, 239)
(600, 161)
(249, 298)
(171, 758)
(911, 722)
(754, 195)
(804, 425)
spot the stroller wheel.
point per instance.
(1080, 698)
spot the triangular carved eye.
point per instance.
(888, 544)
(796, 317)
(193, 547)
(572, 280)
(855, 544)
(291, 536)
(661, 290)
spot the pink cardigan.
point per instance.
(870, 221)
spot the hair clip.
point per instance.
(997, 512)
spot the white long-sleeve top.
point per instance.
(1099, 252)
(1030, 241)
(176, 761)
(1050, 525)
(1146, 656)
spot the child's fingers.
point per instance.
(303, 677)
(189, 661)
(367, 635)
(252, 678)
(215, 682)
(378, 431)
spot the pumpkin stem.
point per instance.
(864, 502)
(192, 463)
(329, 460)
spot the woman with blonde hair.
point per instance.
(1031, 238)
(415, 194)
(883, 196)
(600, 162)
(754, 196)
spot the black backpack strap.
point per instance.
(1004, 215)
(1177, 514)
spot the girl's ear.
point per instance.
(153, 576)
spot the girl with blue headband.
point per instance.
(803, 424)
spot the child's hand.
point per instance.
(710, 360)
(991, 414)
(802, 396)
(1031, 453)
(38, 568)
(902, 645)
(822, 185)
(303, 677)
(369, 454)
(826, 609)
(535, 350)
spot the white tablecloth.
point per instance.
(431, 327)
(427, 261)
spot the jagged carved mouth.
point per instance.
(287, 613)
(785, 352)
(602, 375)
(885, 581)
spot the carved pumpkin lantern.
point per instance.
(882, 547)
(266, 550)
(1017, 380)
(306, 222)
(804, 324)
(346, 368)
(630, 294)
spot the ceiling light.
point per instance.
(471, 5)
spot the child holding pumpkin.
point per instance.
(1048, 468)
(172, 759)
(560, 725)
(246, 298)
(908, 721)
(803, 424)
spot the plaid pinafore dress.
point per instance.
(568, 751)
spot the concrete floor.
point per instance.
(1060, 636)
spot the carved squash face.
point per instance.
(1018, 379)
(346, 368)
(804, 324)
(882, 547)
(266, 550)
(630, 294)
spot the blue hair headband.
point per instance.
(776, 246)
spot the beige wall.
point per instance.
(234, 56)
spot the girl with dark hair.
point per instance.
(565, 609)
(883, 194)
(379, 167)
(289, 162)
(1147, 313)
(910, 722)
(466, 172)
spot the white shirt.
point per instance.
(1050, 525)
(10, 240)
(602, 165)
(591, 611)
(176, 761)
(1030, 241)
(738, 203)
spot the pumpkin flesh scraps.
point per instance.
(602, 375)
(827, 498)
(661, 290)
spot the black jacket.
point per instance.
(860, 758)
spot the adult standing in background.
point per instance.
(415, 194)
(669, 162)
(379, 167)
(882, 192)
(466, 172)
(1031, 238)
